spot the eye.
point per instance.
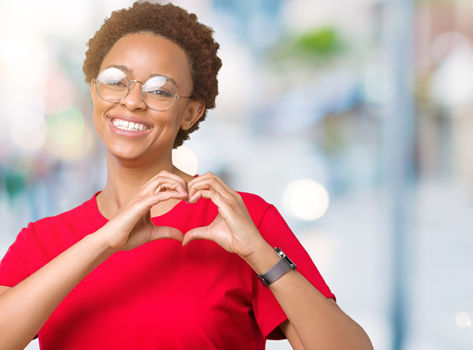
(113, 76)
(160, 93)
(122, 82)
(159, 86)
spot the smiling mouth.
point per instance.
(129, 126)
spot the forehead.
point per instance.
(145, 54)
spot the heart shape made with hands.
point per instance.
(203, 232)
(233, 228)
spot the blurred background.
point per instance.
(353, 117)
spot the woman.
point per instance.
(159, 258)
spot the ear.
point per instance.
(194, 111)
(93, 93)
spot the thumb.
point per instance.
(161, 232)
(197, 233)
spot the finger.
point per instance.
(209, 175)
(196, 233)
(175, 177)
(158, 197)
(162, 232)
(215, 197)
(128, 216)
(232, 214)
(161, 184)
(224, 209)
(167, 176)
(144, 205)
(210, 184)
(168, 186)
(215, 179)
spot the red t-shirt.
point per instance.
(160, 295)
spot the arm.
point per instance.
(314, 322)
(25, 307)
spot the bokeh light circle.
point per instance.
(66, 128)
(185, 159)
(463, 320)
(305, 199)
(30, 139)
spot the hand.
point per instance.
(233, 229)
(132, 225)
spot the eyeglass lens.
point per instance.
(158, 91)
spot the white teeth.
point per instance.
(130, 126)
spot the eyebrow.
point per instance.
(128, 70)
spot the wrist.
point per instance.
(262, 257)
(102, 242)
(282, 267)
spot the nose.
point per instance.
(134, 99)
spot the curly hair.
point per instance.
(175, 24)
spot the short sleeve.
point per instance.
(14, 265)
(269, 315)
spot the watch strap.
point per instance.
(276, 272)
(283, 266)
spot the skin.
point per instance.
(131, 162)
(143, 183)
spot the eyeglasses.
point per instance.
(158, 92)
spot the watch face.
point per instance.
(290, 262)
(285, 257)
(280, 252)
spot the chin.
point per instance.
(124, 154)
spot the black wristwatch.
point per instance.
(282, 267)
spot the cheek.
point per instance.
(170, 119)
(179, 115)
(95, 117)
(98, 117)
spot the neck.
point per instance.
(125, 178)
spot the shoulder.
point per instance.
(79, 216)
(43, 239)
(63, 216)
